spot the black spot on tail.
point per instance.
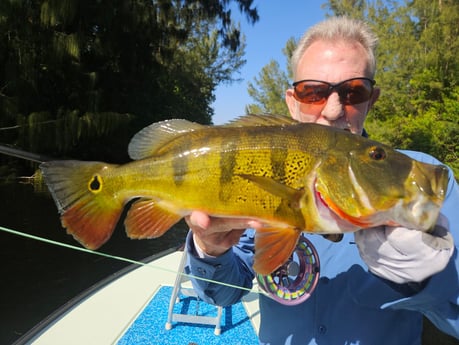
(95, 185)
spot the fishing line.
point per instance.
(120, 258)
(39, 158)
(28, 125)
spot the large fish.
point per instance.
(291, 176)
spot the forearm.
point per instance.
(221, 276)
(438, 299)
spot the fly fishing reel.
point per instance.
(294, 281)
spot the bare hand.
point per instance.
(216, 235)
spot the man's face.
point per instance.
(333, 63)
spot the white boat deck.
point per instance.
(113, 308)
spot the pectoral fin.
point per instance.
(273, 247)
(147, 219)
(276, 188)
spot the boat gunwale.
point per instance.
(42, 326)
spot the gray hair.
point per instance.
(338, 29)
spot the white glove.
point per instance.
(403, 255)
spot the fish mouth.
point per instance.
(437, 186)
(331, 212)
(429, 184)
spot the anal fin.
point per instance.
(273, 247)
(147, 219)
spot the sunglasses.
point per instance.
(350, 91)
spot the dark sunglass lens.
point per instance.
(356, 91)
(311, 92)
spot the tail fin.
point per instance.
(89, 211)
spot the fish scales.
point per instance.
(293, 177)
(217, 162)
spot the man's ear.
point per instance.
(291, 103)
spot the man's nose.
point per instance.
(333, 108)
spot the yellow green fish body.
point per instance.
(293, 177)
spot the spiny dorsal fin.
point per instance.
(148, 140)
(261, 120)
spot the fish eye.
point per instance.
(377, 153)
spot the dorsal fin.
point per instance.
(261, 120)
(148, 140)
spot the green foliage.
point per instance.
(268, 90)
(418, 69)
(418, 59)
(78, 72)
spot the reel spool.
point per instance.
(294, 281)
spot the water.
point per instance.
(37, 278)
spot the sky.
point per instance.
(279, 20)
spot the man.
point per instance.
(375, 284)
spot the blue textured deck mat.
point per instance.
(149, 327)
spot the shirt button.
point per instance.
(202, 271)
(322, 329)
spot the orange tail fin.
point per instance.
(89, 211)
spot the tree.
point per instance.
(77, 71)
(268, 90)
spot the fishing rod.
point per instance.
(18, 153)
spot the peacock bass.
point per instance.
(291, 176)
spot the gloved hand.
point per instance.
(404, 255)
